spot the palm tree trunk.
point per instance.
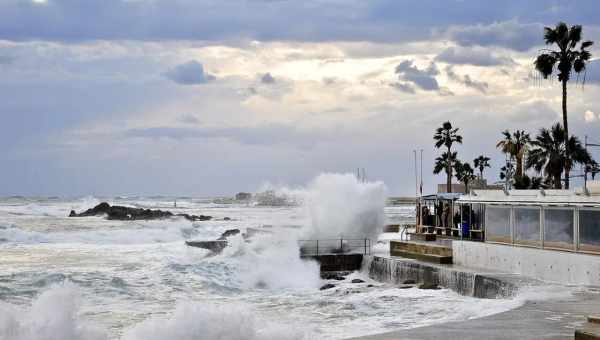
(449, 173)
(557, 184)
(566, 126)
(519, 165)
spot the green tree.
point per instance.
(548, 154)
(481, 163)
(446, 136)
(464, 173)
(563, 61)
(515, 145)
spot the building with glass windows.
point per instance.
(552, 235)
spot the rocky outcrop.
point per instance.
(122, 213)
(327, 286)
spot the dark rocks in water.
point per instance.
(214, 246)
(332, 276)
(370, 286)
(409, 282)
(327, 286)
(117, 212)
(228, 233)
(428, 286)
(406, 286)
(358, 281)
(226, 219)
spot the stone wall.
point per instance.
(548, 265)
(398, 270)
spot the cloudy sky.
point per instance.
(211, 97)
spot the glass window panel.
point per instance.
(558, 228)
(497, 224)
(589, 230)
(527, 226)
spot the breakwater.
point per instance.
(465, 282)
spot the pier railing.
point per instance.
(335, 246)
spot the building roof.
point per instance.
(532, 197)
(444, 196)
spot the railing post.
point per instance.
(365, 247)
(341, 245)
(317, 247)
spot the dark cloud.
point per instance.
(592, 73)
(189, 119)
(422, 78)
(5, 60)
(509, 34)
(267, 78)
(472, 56)
(267, 134)
(267, 20)
(190, 73)
(404, 87)
(466, 80)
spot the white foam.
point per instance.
(53, 316)
(192, 321)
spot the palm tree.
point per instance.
(549, 154)
(446, 135)
(564, 60)
(481, 163)
(515, 145)
(506, 174)
(446, 162)
(464, 173)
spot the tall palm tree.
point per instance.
(465, 173)
(446, 162)
(564, 60)
(507, 173)
(549, 154)
(446, 135)
(481, 163)
(515, 145)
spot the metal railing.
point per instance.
(335, 246)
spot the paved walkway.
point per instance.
(552, 319)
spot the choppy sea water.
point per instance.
(91, 278)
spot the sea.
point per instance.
(90, 278)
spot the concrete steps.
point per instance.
(425, 257)
(430, 252)
(590, 331)
(427, 237)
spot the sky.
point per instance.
(208, 98)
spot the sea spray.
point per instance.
(193, 321)
(340, 205)
(52, 316)
(271, 261)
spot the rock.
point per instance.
(117, 212)
(214, 246)
(332, 276)
(405, 286)
(226, 219)
(327, 286)
(428, 286)
(370, 286)
(409, 282)
(358, 281)
(228, 233)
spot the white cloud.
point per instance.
(589, 116)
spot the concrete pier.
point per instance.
(547, 320)
(481, 284)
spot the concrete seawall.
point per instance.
(396, 270)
